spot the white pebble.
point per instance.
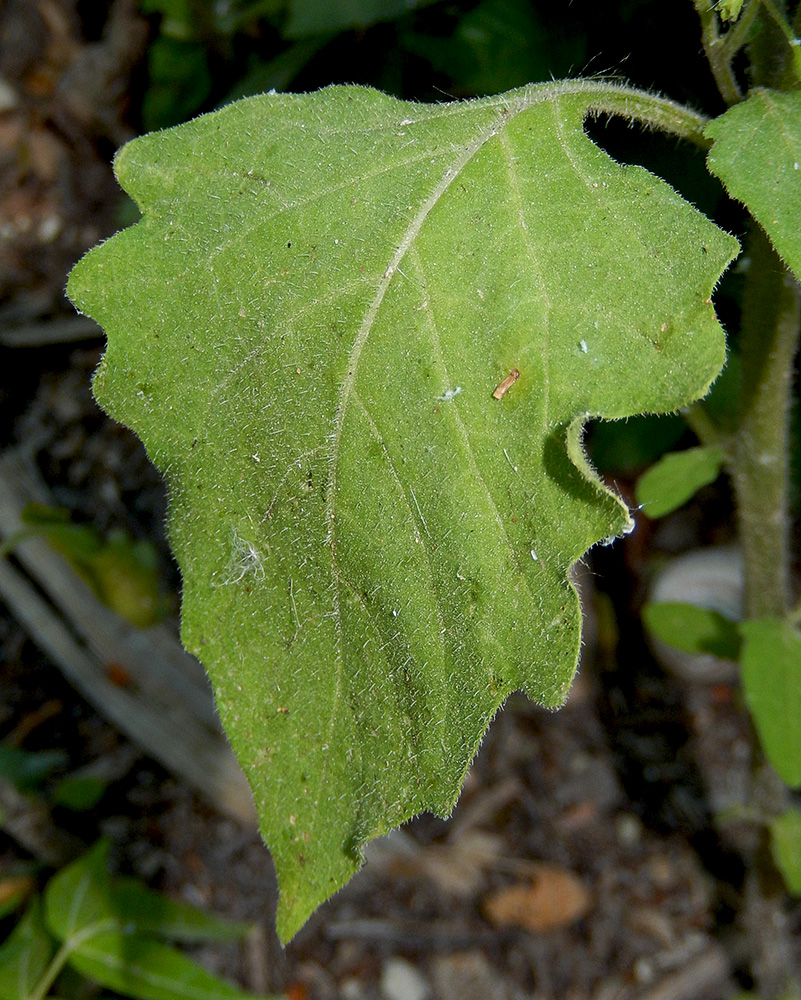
(401, 981)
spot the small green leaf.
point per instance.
(729, 9)
(79, 794)
(498, 45)
(102, 923)
(80, 895)
(25, 955)
(28, 768)
(693, 629)
(153, 913)
(771, 670)
(677, 477)
(785, 843)
(311, 17)
(310, 329)
(757, 154)
(148, 970)
(123, 572)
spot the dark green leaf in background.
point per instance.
(498, 45)
(106, 925)
(785, 833)
(771, 670)
(677, 477)
(693, 629)
(25, 955)
(313, 17)
(28, 768)
(149, 970)
(153, 913)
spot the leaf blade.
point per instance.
(401, 537)
(149, 970)
(677, 477)
(757, 154)
(25, 955)
(771, 672)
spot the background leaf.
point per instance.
(80, 895)
(693, 629)
(28, 768)
(785, 843)
(771, 670)
(677, 477)
(306, 329)
(153, 913)
(25, 955)
(148, 970)
(310, 17)
(104, 923)
(757, 155)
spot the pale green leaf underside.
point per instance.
(757, 155)
(306, 329)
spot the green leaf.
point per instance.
(102, 922)
(693, 629)
(79, 896)
(309, 329)
(757, 154)
(771, 668)
(785, 843)
(677, 477)
(83, 894)
(79, 794)
(729, 9)
(148, 970)
(25, 955)
(497, 45)
(153, 913)
(28, 768)
(310, 17)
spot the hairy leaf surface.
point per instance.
(757, 155)
(361, 338)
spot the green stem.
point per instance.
(788, 32)
(706, 430)
(647, 109)
(52, 972)
(779, 19)
(602, 97)
(771, 323)
(737, 35)
(717, 52)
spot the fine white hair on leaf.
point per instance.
(246, 560)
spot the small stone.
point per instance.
(401, 981)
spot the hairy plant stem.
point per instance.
(718, 54)
(759, 464)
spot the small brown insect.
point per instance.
(509, 381)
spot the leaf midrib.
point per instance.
(365, 328)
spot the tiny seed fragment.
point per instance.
(509, 381)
